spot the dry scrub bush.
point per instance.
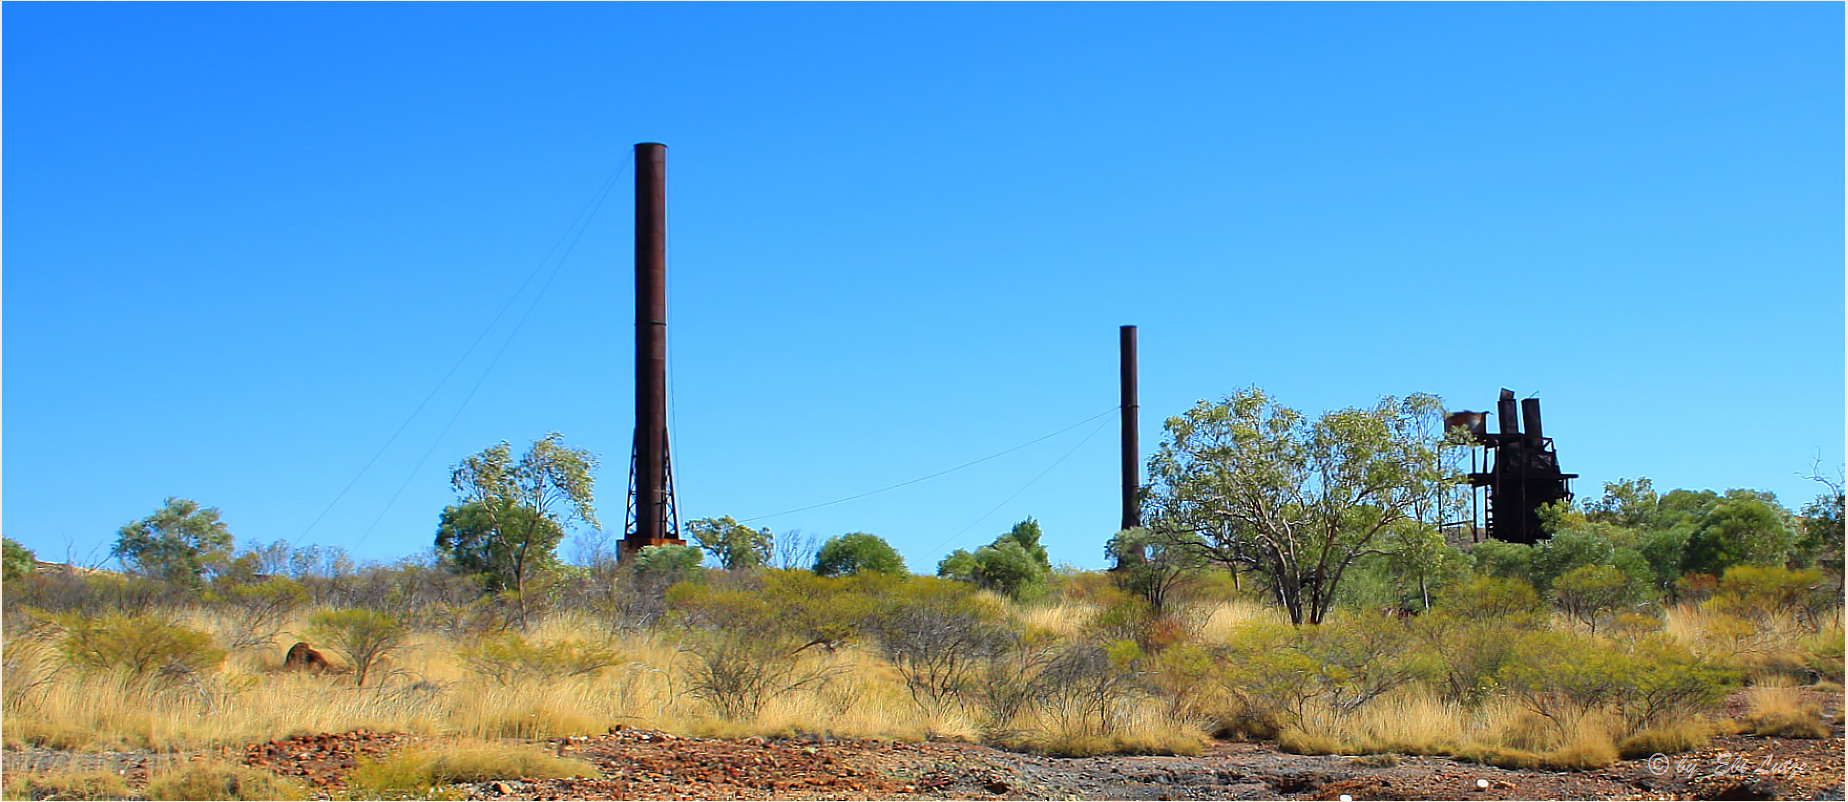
(97, 784)
(363, 637)
(217, 780)
(1755, 591)
(140, 647)
(423, 773)
(1281, 677)
(936, 636)
(1822, 652)
(249, 616)
(508, 656)
(744, 646)
(1770, 642)
(1566, 679)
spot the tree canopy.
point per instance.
(856, 553)
(1254, 484)
(177, 543)
(1014, 563)
(514, 513)
(733, 544)
(472, 540)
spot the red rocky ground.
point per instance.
(639, 764)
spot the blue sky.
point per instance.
(245, 242)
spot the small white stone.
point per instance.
(1482, 783)
(1347, 798)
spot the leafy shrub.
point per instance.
(1589, 592)
(217, 780)
(1740, 529)
(1276, 672)
(16, 560)
(1756, 591)
(666, 565)
(733, 544)
(1503, 560)
(1566, 678)
(363, 637)
(1155, 566)
(177, 543)
(507, 657)
(1666, 683)
(1014, 565)
(1466, 654)
(141, 646)
(1487, 597)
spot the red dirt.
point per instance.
(641, 764)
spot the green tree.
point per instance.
(1297, 501)
(523, 507)
(471, 540)
(1013, 564)
(18, 560)
(1417, 559)
(959, 565)
(733, 544)
(177, 543)
(858, 552)
(1626, 502)
(1739, 529)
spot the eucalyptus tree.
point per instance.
(733, 544)
(1253, 485)
(178, 543)
(514, 513)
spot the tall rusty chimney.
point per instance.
(1132, 455)
(652, 519)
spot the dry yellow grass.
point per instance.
(1412, 721)
(1218, 622)
(418, 773)
(96, 784)
(1773, 641)
(210, 780)
(1775, 707)
(429, 688)
(1064, 619)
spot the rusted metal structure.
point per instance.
(1132, 452)
(1525, 472)
(652, 519)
